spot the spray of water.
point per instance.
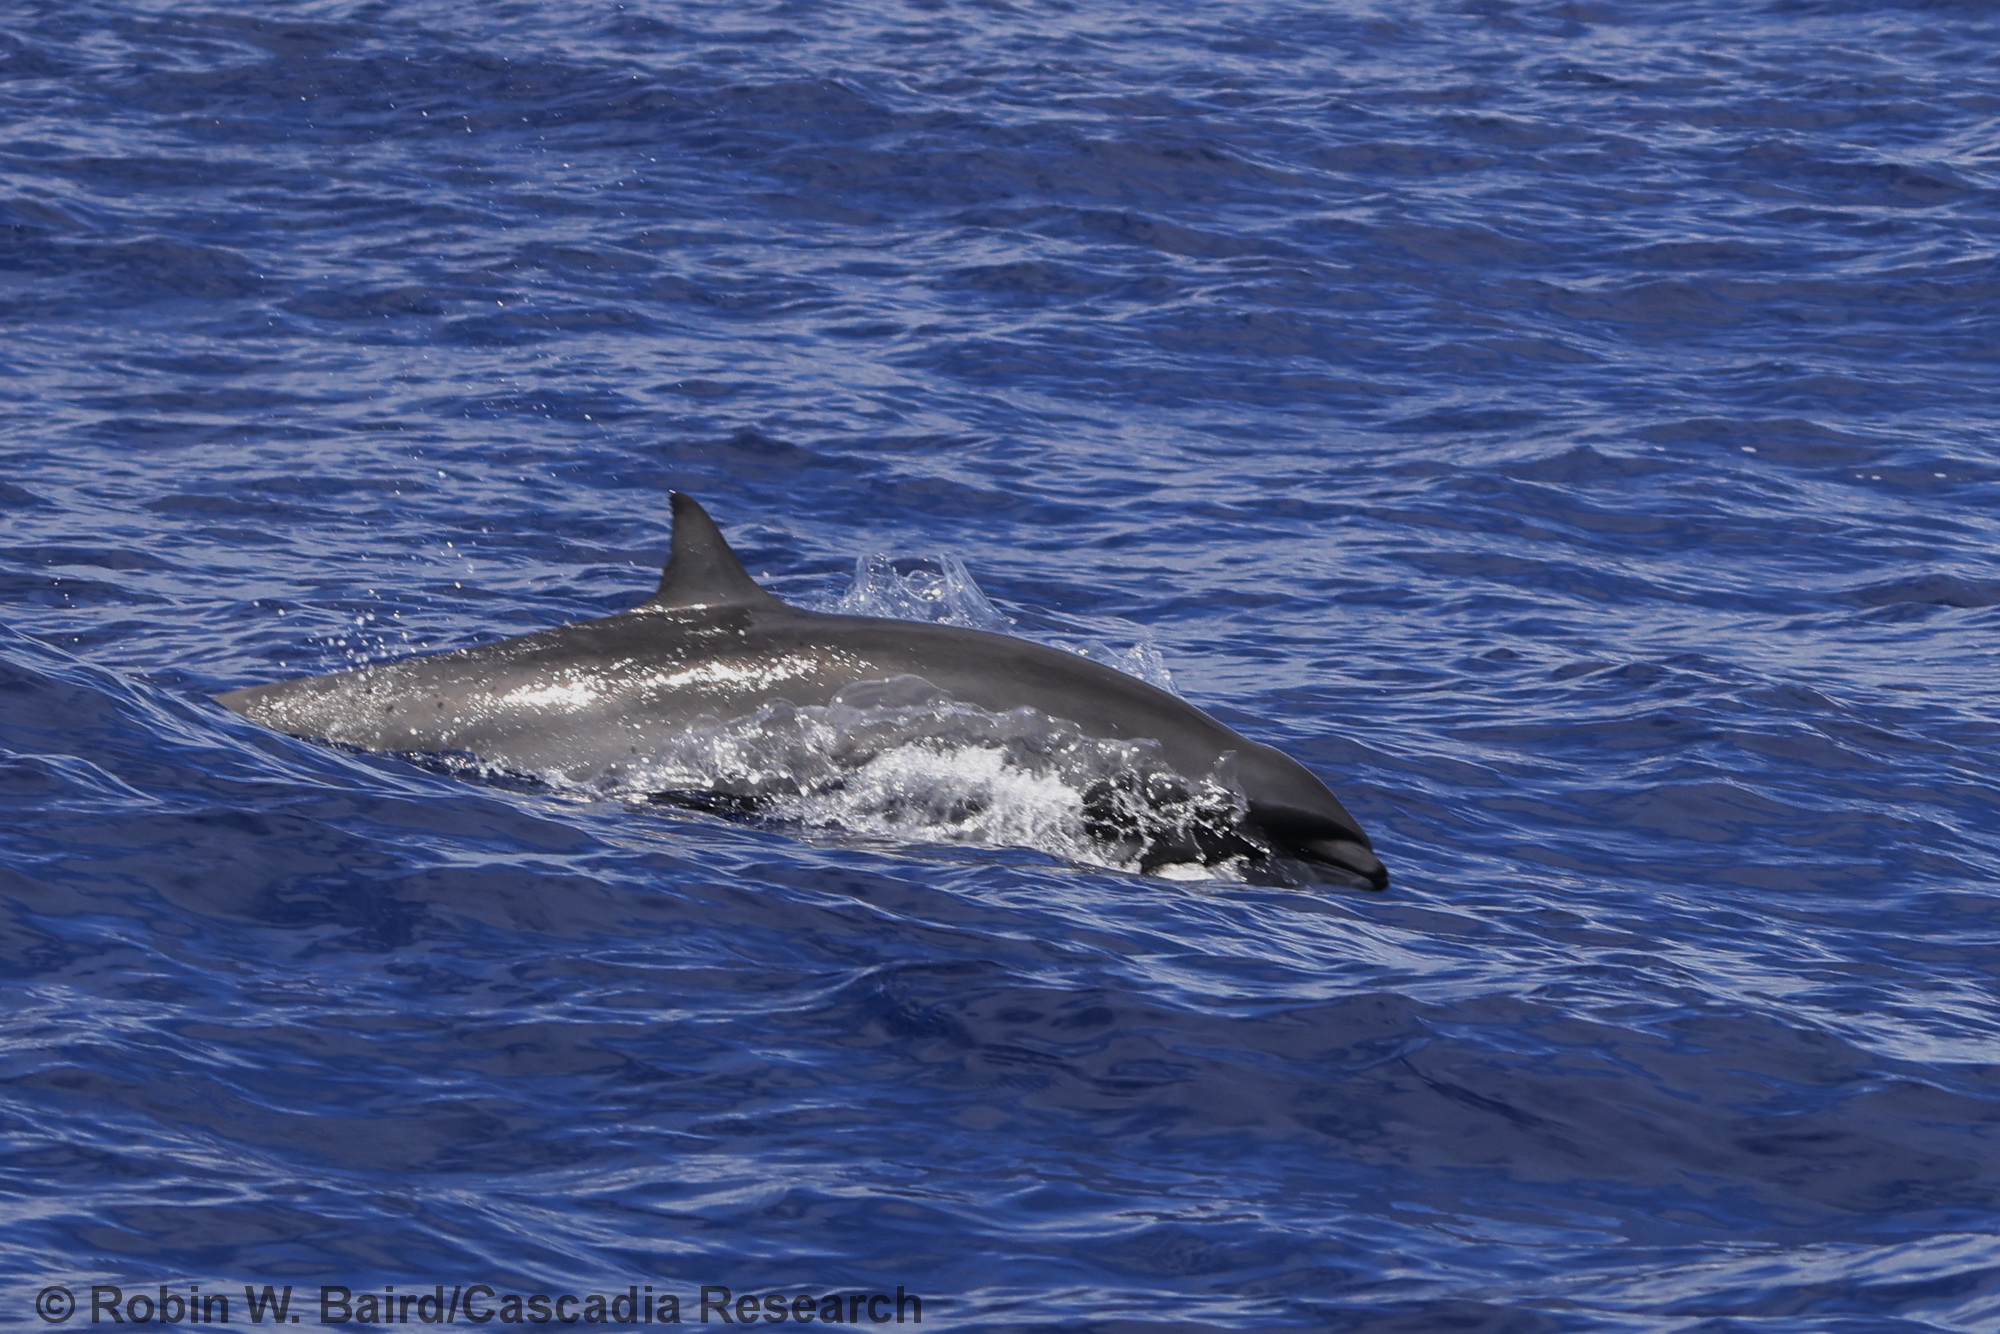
(938, 588)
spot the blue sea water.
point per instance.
(1567, 427)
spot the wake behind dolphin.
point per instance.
(716, 694)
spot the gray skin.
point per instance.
(582, 700)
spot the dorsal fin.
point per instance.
(701, 570)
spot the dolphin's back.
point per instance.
(556, 697)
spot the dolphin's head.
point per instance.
(1295, 813)
(1343, 855)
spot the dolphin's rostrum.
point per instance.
(608, 697)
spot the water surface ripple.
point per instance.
(1565, 426)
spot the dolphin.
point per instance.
(579, 701)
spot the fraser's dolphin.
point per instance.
(580, 701)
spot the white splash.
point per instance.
(900, 759)
(937, 588)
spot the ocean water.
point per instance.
(1567, 427)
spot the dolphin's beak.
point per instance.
(1348, 856)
